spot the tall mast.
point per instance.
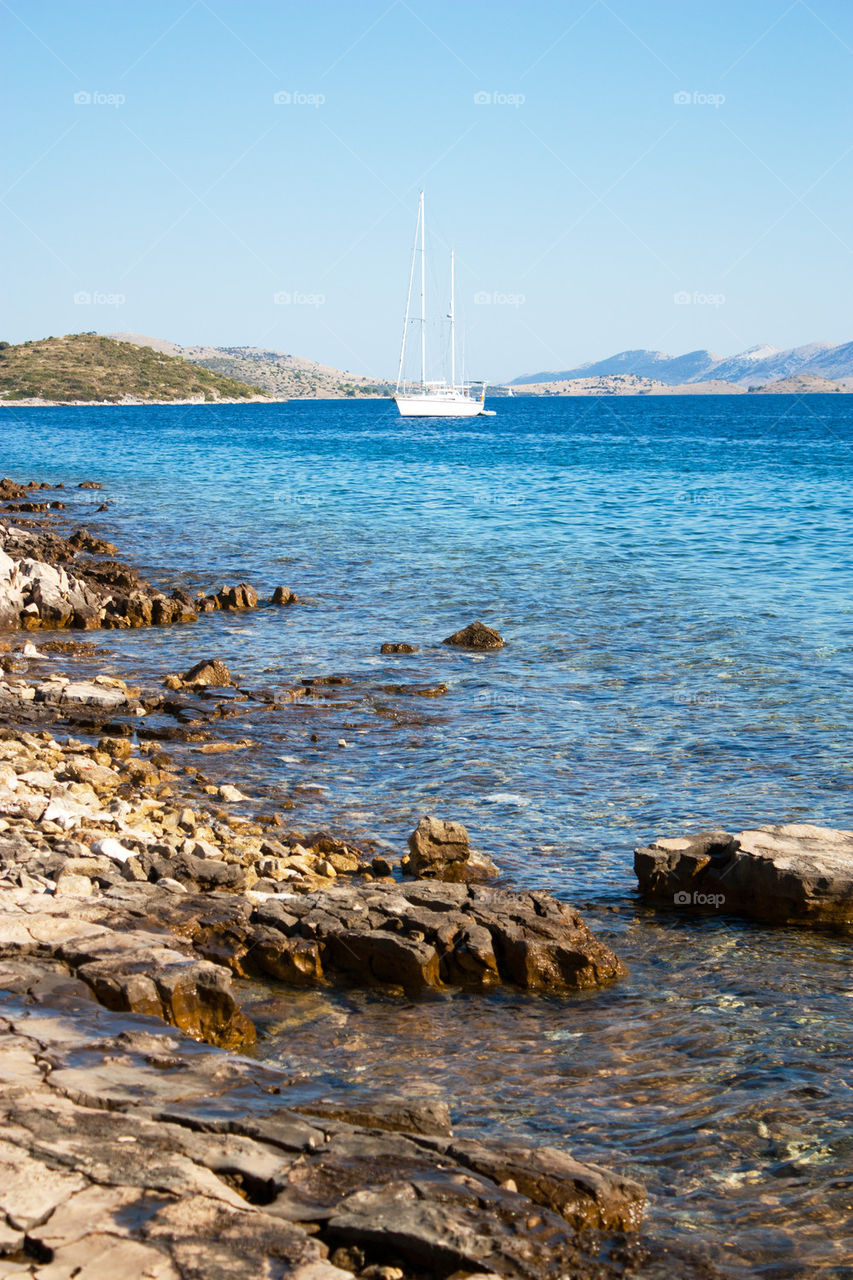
(423, 288)
(408, 305)
(452, 322)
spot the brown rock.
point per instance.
(440, 850)
(283, 595)
(210, 671)
(584, 1194)
(383, 959)
(789, 874)
(239, 597)
(476, 636)
(390, 647)
(83, 540)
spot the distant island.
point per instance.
(628, 384)
(86, 368)
(815, 367)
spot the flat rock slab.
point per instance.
(791, 874)
(413, 936)
(126, 969)
(130, 1151)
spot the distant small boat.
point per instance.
(440, 399)
(510, 391)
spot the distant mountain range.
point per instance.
(756, 366)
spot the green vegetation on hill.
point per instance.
(85, 366)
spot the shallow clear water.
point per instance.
(673, 578)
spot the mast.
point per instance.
(452, 323)
(423, 288)
(408, 306)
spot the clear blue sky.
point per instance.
(186, 190)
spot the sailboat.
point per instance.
(440, 399)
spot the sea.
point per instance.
(673, 579)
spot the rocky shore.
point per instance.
(133, 889)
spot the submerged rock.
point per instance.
(399, 646)
(789, 874)
(476, 636)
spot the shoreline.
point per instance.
(36, 403)
(518, 393)
(133, 889)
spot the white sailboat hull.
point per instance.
(436, 405)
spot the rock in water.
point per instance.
(399, 646)
(476, 636)
(283, 595)
(242, 596)
(210, 671)
(438, 850)
(790, 874)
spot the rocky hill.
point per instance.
(84, 367)
(757, 366)
(279, 374)
(803, 384)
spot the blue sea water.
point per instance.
(673, 578)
